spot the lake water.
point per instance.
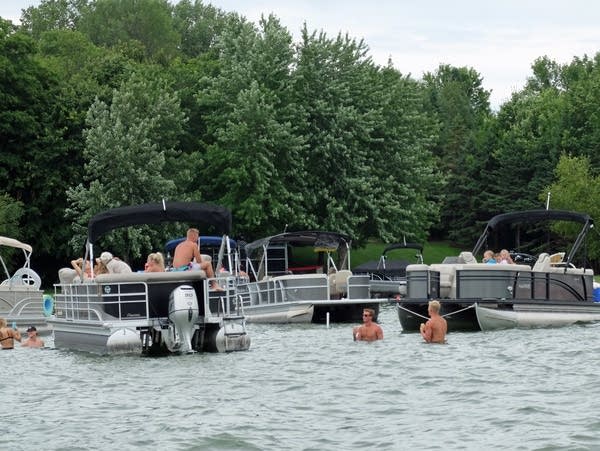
(309, 387)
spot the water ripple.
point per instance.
(309, 387)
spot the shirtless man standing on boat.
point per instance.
(369, 331)
(188, 251)
(434, 330)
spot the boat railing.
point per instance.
(99, 302)
(230, 306)
(359, 287)
(285, 288)
(226, 302)
(500, 281)
(30, 305)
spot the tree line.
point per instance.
(108, 103)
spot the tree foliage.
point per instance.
(127, 146)
(252, 144)
(456, 98)
(125, 101)
(137, 27)
(576, 188)
(34, 144)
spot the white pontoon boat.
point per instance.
(149, 313)
(556, 289)
(22, 300)
(304, 277)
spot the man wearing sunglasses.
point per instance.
(369, 331)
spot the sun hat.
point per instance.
(105, 257)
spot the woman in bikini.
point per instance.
(8, 335)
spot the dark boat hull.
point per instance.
(459, 315)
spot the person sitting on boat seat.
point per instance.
(114, 264)
(488, 257)
(83, 269)
(8, 335)
(155, 263)
(187, 256)
(86, 273)
(505, 257)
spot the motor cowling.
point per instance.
(183, 316)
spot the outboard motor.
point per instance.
(183, 315)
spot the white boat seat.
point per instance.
(466, 257)
(557, 258)
(338, 281)
(24, 277)
(66, 275)
(543, 263)
(447, 273)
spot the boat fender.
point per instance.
(47, 305)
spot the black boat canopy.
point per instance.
(393, 246)
(321, 241)
(532, 216)
(192, 212)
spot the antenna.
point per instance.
(548, 201)
(285, 228)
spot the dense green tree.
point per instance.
(53, 15)
(34, 145)
(528, 146)
(127, 146)
(581, 116)
(456, 97)
(331, 85)
(137, 27)
(576, 188)
(253, 162)
(11, 212)
(402, 172)
(368, 158)
(199, 26)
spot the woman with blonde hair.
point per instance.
(8, 335)
(155, 263)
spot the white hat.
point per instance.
(105, 257)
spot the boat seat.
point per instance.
(466, 257)
(24, 277)
(557, 258)
(447, 273)
(338, 281)
(66, 275)
(543, 263)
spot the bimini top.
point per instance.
(391, 247)
(534, 216)
(192, 212)
(321, 241)
(11, 242)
